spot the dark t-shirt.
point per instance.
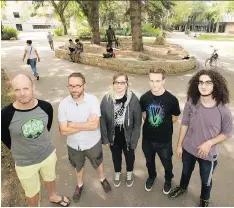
(119, 121)
(110, 50)
(158, 126)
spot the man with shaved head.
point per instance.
(26, 125)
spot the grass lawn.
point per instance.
(216, 37)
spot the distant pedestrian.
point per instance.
(33, 55)
(50, 40)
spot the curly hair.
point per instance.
(220, 91)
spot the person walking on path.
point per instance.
(206, 123)
(26, 125)
(121, 125)
(50, 40)
(79, 117)
(160, 109)
(33, 55)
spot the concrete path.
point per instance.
(52, 87)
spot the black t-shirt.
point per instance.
(158, 126)
(110, 50)
(119, 120)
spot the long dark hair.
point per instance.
(220, 91)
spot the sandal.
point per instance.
(62, 201)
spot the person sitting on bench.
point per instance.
(71, 48)
(79, 49)
(110, 52)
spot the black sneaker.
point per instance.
(38, 77)
(149, 184)
(167, 187)
(176, 192)
(77, 193)
(204, 203)
(106, 186)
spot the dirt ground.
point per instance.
(12, 193)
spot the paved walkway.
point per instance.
(52, 87)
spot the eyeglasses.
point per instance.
(207, 83)
(74, 86)
(119, 83)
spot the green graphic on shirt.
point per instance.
(33, 128)
(155, 114)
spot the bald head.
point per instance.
(21, 78)
(23, 88)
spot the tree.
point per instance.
(59, 9)
(91, 11)
(135, 16)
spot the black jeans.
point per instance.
(116, 151)
(206, 172)
(164, 152)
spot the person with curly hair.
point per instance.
(206, 123)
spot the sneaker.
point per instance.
(106, 186)
(176, 192)
(167, 187)
(130, 180)
(117, 180)
(77, 193)
(204, 203)
(149, 184)
(38, 77)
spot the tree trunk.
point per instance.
(91, 11)
(135, 16)
(64, 23)
(217, 27)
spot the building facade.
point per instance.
(17, 15)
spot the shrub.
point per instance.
(84, 33)
(58, 31)
(9, 32)
(148, 30)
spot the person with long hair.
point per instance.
(121, 126)
(206, 123)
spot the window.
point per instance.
(41, 26)
(16, 14)
(19, 27)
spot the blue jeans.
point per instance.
(206, 172)
(164, 152)
(33, 63)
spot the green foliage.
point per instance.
(187, 32)
(9, 33)
(58, 31)
(149, 31)
(216, 37)
(84, 33)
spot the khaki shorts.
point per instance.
(29, 175)
(77, 158)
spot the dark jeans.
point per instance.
(206, 172)
(116, 151)
(164, 152)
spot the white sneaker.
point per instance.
(117, 180)
(129, 181)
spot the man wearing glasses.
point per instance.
(206, 123)
(79, 116)
(160, 109)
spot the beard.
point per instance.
(76, 96)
